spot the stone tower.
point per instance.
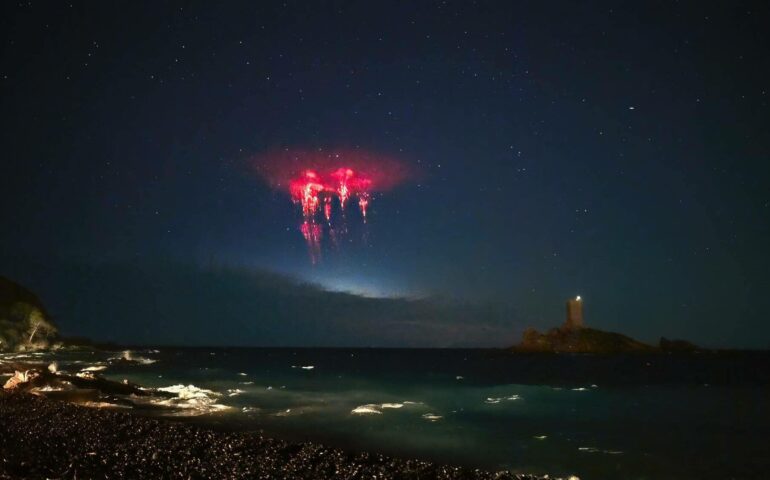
(574, 314)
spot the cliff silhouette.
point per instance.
(24, 322)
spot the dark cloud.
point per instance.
(170, 303)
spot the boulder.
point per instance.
(20, 380)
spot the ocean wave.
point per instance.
(106, 405)
(496, 400)
(94, 368)
(377, 408)
(599, 450)
(190, 400)
(17, 356)
(129, 357)
(370, 409)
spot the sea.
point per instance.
(657, 416)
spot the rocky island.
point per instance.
(574, 337)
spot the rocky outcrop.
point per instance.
(579, 340)
(83, 387)
(20, 380)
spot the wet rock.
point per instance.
(20, 380)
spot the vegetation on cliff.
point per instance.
(24, 323)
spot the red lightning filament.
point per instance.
(343, 175)
(312, 233)
(305, 191)
(328, 209)
(363, 202)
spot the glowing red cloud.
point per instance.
(315, 179)
(380, 172)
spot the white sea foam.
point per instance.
(246, 383)
(599, 450)
(94, 368)
(579, 389)
(231, 392)
(308, 367)
(105, 405)
(128, 356)
(496, 400)
(431, 417)
(540, 437)
(377, 408)
(190, 399)
(370, 409)
(49, 388)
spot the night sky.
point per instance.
(617, 152)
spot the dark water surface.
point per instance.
(597, 417)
